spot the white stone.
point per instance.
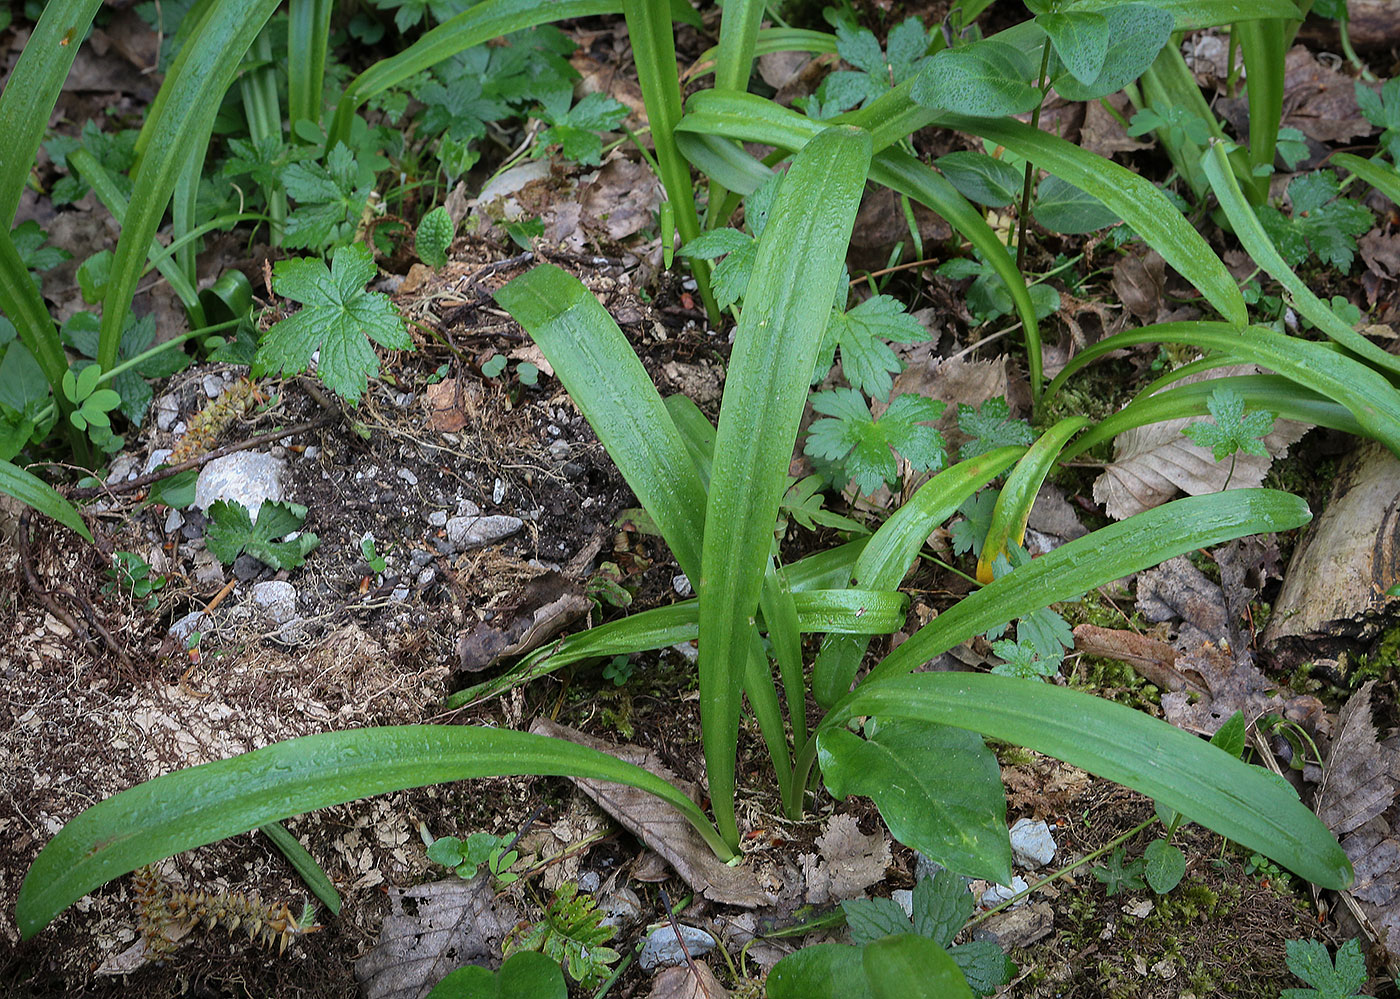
(245, 477)
(158, 457)
(174, 520)
(663, 949)
(997, 894)
(466, 508)
(1031, 843)
(167, 409)
(123, 467)
(276, 599)
(408, 476)
(473, 532)
(498, 492)
(438, 518)
(194, 621)
(213, 385)
(904, 898)
(681, 584)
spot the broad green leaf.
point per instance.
(199, 805)
(986, 79)
(1136, 33)
(1231, 736)
(32, 89)
(1110, 553)
(800, 260)
(336, 317)
(304, 864)
(953, 813)
(603, 376)
(435, 234)
(526, 974)
(34, 492)
(913, 967)
(1189, 15)
(1132, 198)
(1242, 803)
(981, 178)
(1080, 38)
(871, 919)
(1165, 865)
(1062, 207)
(822, 971)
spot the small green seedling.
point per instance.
(436, 231)
(1233, 431)
(526, 975)
(862, 447)
(478, 850)
(372, 558)
(130, 573)
(605, 587)
(1320, 224)
(93, 403)
(1120, 874)
(619, 670)
(571, 933)
(1021, 658)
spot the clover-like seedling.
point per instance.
(92, 403)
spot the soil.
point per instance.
(99, 696)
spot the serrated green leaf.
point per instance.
(329, 199)
(990, 426)
(942, 905)
(231, 532)
(969, 533)
(823, 971)
(575, 130)
(1164, 865)
(913, 967)
(850, 436)
(954, 813)
(984, 964)
(871, 919)
(526, 975)
(1308, 959)
(336, 317)
(436, 231)
(1233, 429)
(865, 360)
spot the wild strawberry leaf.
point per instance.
(1233, 430)
(231, 532)
(1321, 222)
(457, 104)
(862, 445)
(338, 317)
(990, 426)
(730, 277)
(29, 241)
(1021, 658)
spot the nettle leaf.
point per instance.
(329, 199)
(730, 278)
(1080, 39)
(985, 965)
(338, 317)
(29, 242)
(458, 105)
(969, 533)
(860, 333)
(1136, 34)
(862, 445)
(231, 532)
(436, 231)
(986, 79)
(1022, 659)
(1309, 961)
(871, 919)
(575, 130)
(876, 70)
(990, 426)
(981, 178)
(1062, 207)
(1233, 429)
(261, 159)
(1321, 222)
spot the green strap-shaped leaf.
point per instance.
(474, 26)
(1132, 198)
(304, 864)
(771, 40)
(308, 33)
(195, 83)
(607, 382)
(1380, 176)
(203, 804)
(892, 549)
(696, 430)
(34, 492)
(1109, 553)
(780, 616)
(31, 91)
(1014, 502)
(1204, 783)
(1321, 367)
(800, 258)
(1272, 393)
(1262, 251)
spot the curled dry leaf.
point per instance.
(695, 982)
(660, 826)
(849, 862)
(1177, 589)
(1152, 463)
(1234, 685)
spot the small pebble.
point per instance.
(572, 470)
(213, 385)
(158, 456)
(681, 584)
(421, 557)
(466, 508)
(589, 881)
(399, 595)
(498, 492)
(182, 629)
(438, 518)
(663, 949)
(473, 532)
(426, 577)
(173, 521)
(559, 450)
(276, 599)
(997, 894)
(123, 467)
(408, 476)
(312, 450)
(247, 568)
(1031, 843)
(167, 408)
(904, 898)
(245, 477)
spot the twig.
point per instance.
(689, 961)
(46, 598)
(86, 492)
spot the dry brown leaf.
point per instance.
(540, 610)
(660, 826)
(1151, 464)
(431, 930)
(624, 196)
(1361, 777)
(1152, 659)
(1104, 134)
(451, 404)
(1139, 280)
(1234, 685)
(683, 983)
(1319, 101)
(849, 862)
(1177, 589)
(1019, 926)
